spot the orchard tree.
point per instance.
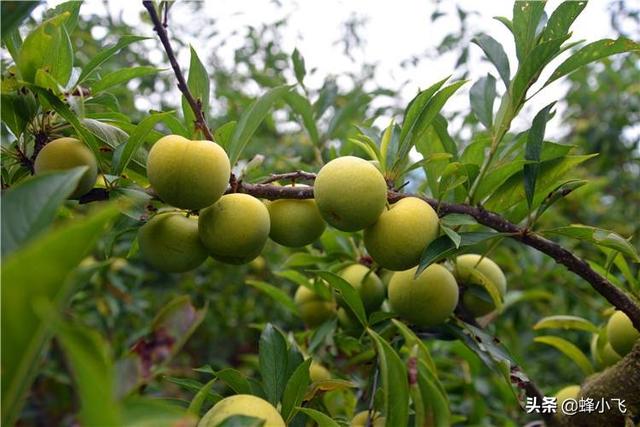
(159, 270)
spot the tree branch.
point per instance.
(182, 84)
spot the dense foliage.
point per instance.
(134, 293)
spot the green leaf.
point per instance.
(570, 350)
(195, 407)
(496, 177)
(198, 84)
(63, 110)
(235, 380)
(482, 96)
(559, 192)
(434, 398)
(104, 54)
(411, 339)
(533, 148)
(251, 119)
(526, 19)
(455, 237)
(454, 219)
(443, 247)
(301, 106)
(415, 107)
(121, 76)
(241, 421)
(13, 13)
(348, 293)
(394, 382)
(273, 362)
(23, 332)
(89, 358)
(276, 293)
(320, 418)
(593, 52)
(111, 135)
(154, 412)
(298, 66)
(597, 236)
(178, 319)
(561, 19)
(30, 206)
(122, 158)
(47, 47)
(346, 115)
(17, 111)
(495, 54)
(295, 390)
(565, 322)
(223, 134)
(73, 7)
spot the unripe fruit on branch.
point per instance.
(235, 228)
(476, 299)
(318, 373)
(360, 420)
(295, 223)
(313, 309)
(605, 356)
(427, 300)
(401, 233)
(68, 153)
(350, 192)
(188, 174)
(242, 404)
(621, 333)
(170, 243)
(368, 284)
(569, 392)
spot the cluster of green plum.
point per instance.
(426, 300)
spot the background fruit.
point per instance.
(313, 309)
(317, 372)
(295, 223)
(350, 193)
(621, 333)
(68, 153)
(427, 300)
(170, 243)
(188, 174)
(401, 233)
(242, 404)
(569, 392)
(368, 284)
(360, 420)
(477, 300)
(235, 228)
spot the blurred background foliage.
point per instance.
(119, 295)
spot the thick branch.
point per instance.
(613, 294)
(196, 107)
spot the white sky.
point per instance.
(394, 31)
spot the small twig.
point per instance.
(307, 176)
(372, 395)
(182, 83)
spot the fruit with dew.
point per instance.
(427, 300)
(401, 233)
(350, 193)
(188, 174)
(242, 404)
(621, 333)
(317, 372)
(295, 223)
(360, 420)
(169, 242)
(471, 270)
(68, 153)
(313, 309)
(235, 228)
(368, 285)
(569, 392)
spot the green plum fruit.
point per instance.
(68, 153)
(368, 284)
(470, 269)
(235, 228)
(350, 193)
(295, 223)
(188, 174)
(401, 233)
(568, 392)
(621, 333)
(360, 420)
(170, 243)
(242, 404)
(318, 373)
(427, 300)
(313, 309)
